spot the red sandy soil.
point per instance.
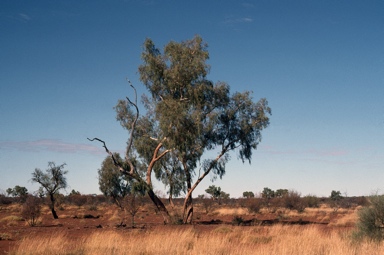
(72, 221)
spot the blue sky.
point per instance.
(64, 64)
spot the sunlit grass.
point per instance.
(11, 218)
(279, 239)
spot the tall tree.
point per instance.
(144, 149)
(186, 116)
(193, 115)
(52, 181)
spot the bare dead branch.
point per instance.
(115, 162)
(130, 141)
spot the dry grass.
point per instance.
(11, 218)
(346, 220)
(279, 239)
(231, 211)
(5, 236)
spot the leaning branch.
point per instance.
(115, 161)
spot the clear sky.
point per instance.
(320, 64)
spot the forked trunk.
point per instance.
(188, 203)
(159, 205)
(188, 209)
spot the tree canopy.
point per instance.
(186, 116)
(51, 181)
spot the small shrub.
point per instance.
(207, 204)
(311, 201)
(237, 220)
(292, 201)
(31, 210)
(253, 205)
(77, 199)
(371, 220)
(5, 200)
(90, 216)
(176, 219)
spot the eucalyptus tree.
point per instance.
(51, 181)
(187, 115)
(193, 115)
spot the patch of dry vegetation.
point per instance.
(11, 218)
(231, 211)
(278, 239)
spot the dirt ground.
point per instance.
(82, 221)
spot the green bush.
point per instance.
(371, 220)
(311, 201)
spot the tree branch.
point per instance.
(130, 142)
(115, 162)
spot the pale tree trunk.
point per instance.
(170, 200)
(188, 203)
(188, 209)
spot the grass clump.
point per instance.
(11, 218)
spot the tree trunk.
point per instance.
(188, 203)
(54, 213)
(159, 205)
(170, 200)
(188, 209)
(52, 198)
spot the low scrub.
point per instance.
(370, 223)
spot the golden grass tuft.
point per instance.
(263, 240)
(231, 211)
(11, 218)
(5, 236)
(347, 220)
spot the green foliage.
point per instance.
(336, 195)
(248, 194)
(311, 201)
(267, 193)
(51, 181)
(114, 184)
(18, 191)
(371, 220)
(193, 113)
(214, 191)
(186, 116)
(74, 192)
(281, 192)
